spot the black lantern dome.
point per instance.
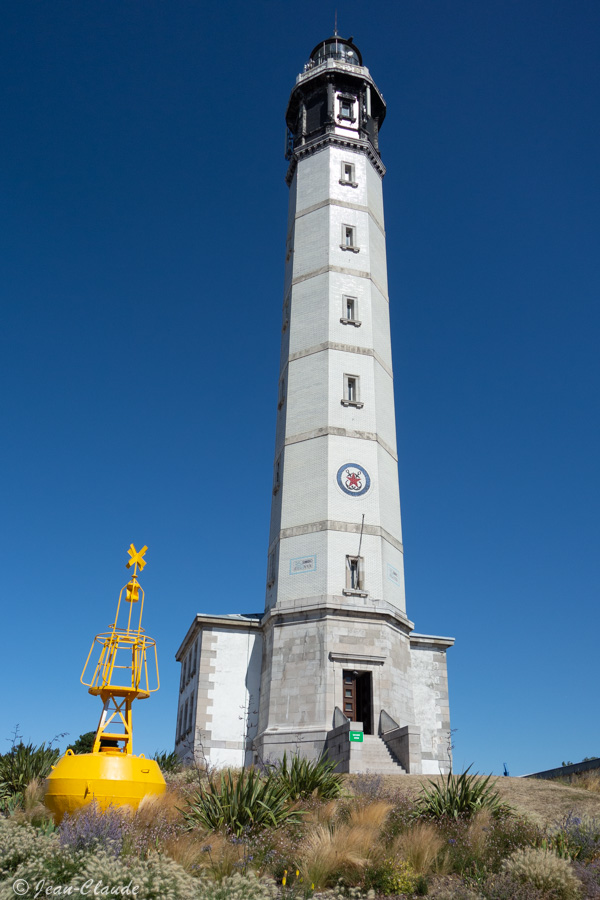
(337, 48)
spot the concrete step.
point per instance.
(374, 756)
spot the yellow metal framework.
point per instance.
(121, 673)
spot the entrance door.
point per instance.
(350, 696)
(357, 702)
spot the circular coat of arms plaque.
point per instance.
(353, 479)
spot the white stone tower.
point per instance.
(339, 655)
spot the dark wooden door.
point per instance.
(350, 696)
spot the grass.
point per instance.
(370, 838)
(422, 847)
(545, 802)
(587, 781)
(344, 846)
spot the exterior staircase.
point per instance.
(374, 756)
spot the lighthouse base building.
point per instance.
(333, 665)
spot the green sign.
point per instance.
(356, 736)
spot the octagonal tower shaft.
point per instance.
(335, 604)
(335, 520)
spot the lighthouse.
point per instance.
(334, 664)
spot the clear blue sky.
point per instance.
(143, 239)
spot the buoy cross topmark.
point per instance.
(136, 557)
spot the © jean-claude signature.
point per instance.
(90, 888)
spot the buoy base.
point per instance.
(107, 778)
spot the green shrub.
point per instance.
(92, 828)
(158, 877)
(391, 876)
(454, 889)
(545, 871)
(508, 833)
(458, 796)
(41, 861)
(22, 764)
(238, 887)
(505, 887)
(18, 843)
(589, 876)
(84, 743)
(239, 804)
(168, 762)
(576, 838)
(304, 778)
(343, 892)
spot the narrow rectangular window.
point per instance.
(271, 569)
(277, 476)
(286, 314)
(351, 395)
(354, 583)
(350, 311)
(354, 573)
(347, 176)
(349, 239)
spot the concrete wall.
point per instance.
(405, 744)
(337, 747)
(430, 689)
(589, 765)
(223, 691)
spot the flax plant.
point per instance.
(459, 796)
(239, 804)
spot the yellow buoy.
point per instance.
(111, 774)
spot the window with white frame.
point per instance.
(346, 108)
(349, 238)
(347, 176)
(350, 311)
(355, 576)
(351, 395)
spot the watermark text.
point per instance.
(89, 888)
